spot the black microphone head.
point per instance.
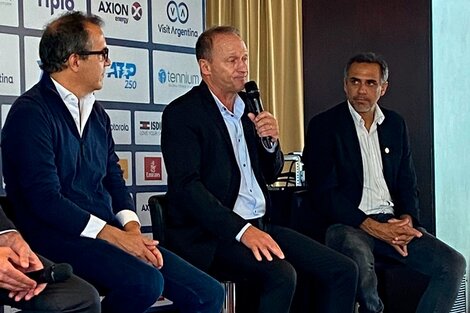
(251, 88)
(60, 272)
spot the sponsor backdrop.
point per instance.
(151, 46)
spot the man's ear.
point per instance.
(73, 62)
(384, 88)
(205, 67)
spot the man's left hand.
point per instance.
(266, 125)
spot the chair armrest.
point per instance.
(157, 206)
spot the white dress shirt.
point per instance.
(375, 194)
(250, 203)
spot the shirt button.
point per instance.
(244, 165)
(251, 190)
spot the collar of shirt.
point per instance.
(379, 116)
(238, 107)
(80, 110)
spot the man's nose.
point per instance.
(362, 89)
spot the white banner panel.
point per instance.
(121, 126)
(37, 13)
(176, 22)
(5, 109)
(147, 128)
(127, 78)
(32, 70)
(174, 74)
(9, 12)
(9, 65)
(142, 207)
(125, 161)
(124, 19)
(150, 169)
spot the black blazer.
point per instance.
(5, 223)
(334, 169)
(203, 175)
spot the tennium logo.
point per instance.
(175, 79)
(162, 76)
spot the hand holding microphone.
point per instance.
(266, 124)
(51, 274)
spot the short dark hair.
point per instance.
(204, 42)
(62, 37)
(369, 57)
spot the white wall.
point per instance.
(451, 79)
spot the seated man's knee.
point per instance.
(147, 285)
(455, 264)
(284, 274)
(91, 299)
(349, 241)
(214, 298)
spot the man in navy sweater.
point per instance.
(66, 187)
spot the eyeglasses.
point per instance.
(104, 53)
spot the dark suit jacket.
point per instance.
(5, 223)
(334, 169)
(203, 175)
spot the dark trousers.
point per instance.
(427, 255)
(130, 285)
(276, 280)
(73, 295)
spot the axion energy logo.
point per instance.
(137, 11)
(123, 19)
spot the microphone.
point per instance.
(253, 95)
(51, 274)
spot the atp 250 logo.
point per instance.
(125, 71)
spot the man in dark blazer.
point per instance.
(361, 175)
(217, 195)
(17, 290)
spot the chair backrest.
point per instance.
(157, 206)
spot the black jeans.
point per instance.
(73, 295)
(276, 280)
(427, 255)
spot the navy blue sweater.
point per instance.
(55, 178)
